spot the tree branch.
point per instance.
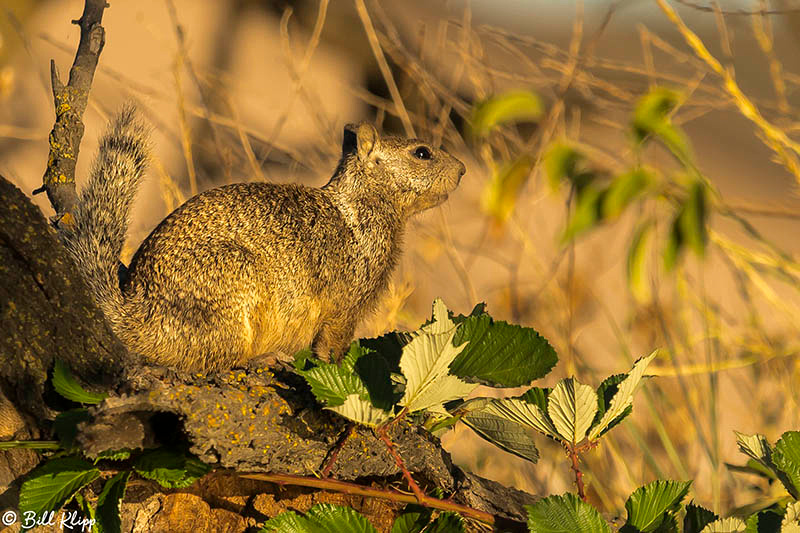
(70, 102)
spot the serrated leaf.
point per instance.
(500, 354)
(651, 118)
(501, 194)
(605, 393)
(67, 386)
(511, 106)
(171, 469)
(65, 425)
(636, 264)
(53, 484)
(697, 518)
(565, 514)
(692, 219)
(571, 407)
(725, 525)
(425, 364)
(290, 522)
(786, 458)
(115, 455)
(446, 522)
(587, 213)
(791, 520)
(651, 505)
(108, 517)
(331, 384)
(413, 519)
(362, 411)
(623, 190)
(624, 396)
(505, 434)
(522, 412)
(756, 446)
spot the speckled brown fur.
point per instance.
(253, 268)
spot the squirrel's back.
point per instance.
(253, 268)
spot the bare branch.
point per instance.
(70, 102)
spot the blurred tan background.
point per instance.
(242, 90)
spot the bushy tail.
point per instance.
(96, 235)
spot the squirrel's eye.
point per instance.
(422, 152)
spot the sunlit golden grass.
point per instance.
(727, 324)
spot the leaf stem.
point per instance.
(383, 435)
(572, 453)
(334, 453)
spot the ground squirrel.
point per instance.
(252, 268)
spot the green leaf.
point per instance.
(373, 370)
(362, 411)
(115, 455)
(725, 525)
(171, 469)
(563, 162)
(53, 484)
(651, 118)
(332, 383)
(786, 458)
(89, 517)
(522, 412)
(637, 280)
(697, 518)
(500, 195)
(322, 518)
(65, 425)
(766, 521)
(623, 398)
(692, 218)
(505, 434)
(756, 446)
(565, 514)
(425, 364)
(623, 190)
(653, 504)
(538, 396)
(446, 522)
(571, 407)
(675, 244)
(65, 384)
(291, 522)
(511, 106)
(587, 213)
(605, 393)
(113, 492)
(413, 519)
(500, 354)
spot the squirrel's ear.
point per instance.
(360, 139)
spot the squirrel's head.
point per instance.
(415, 174)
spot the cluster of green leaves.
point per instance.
(338, 519)
(600, 197)
(654, 508)
(430, 371)
(61, 479)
